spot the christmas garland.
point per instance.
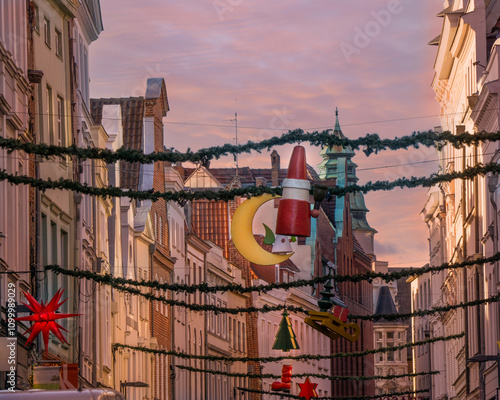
(267, 308)
(199, 307)
(205, 288)
(371, 143)
(301, 357)
(430, 311)
(407, 272)
(379, 396)
(177, 287)
(226, 195)
(305, 375)
(113, 191)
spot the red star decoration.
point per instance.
(308, 389)
(44, 316)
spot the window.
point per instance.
(380, 355)
(50, 115)
(58, 43)
(46, 31)
(379, 335)
(35, 17)
(390, 335)
(60, 122)
(160, 233)
(390, 354)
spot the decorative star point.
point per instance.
(43, 318)
(308, 389)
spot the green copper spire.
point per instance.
(330, 168)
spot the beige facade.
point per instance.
(461, 215)
(16, 245)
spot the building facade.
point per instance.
(461, 215)
(17, 228)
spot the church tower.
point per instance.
(337, 164)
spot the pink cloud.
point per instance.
(282, 60)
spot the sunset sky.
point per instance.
(287, 65)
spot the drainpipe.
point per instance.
(172, 339)
(492, 187)
(479, 282)
(464, 273)
(205, 362)
(96, 292)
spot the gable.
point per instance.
(201, 178)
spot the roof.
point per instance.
(329, 208)
(385, 303)
(132, 121)
(358, 249)
(247, 175)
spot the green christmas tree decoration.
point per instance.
(285, 338)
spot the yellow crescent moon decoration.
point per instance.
(242, 234)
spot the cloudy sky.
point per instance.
(287, 65)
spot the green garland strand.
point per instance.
(407, 272)
(226, 195)
(113, 191)
(371, 143)
(413, 182)
(176, 287)
(267, 308)
(205, 288)
(301, 357)
(430, 311)
(379, 396)
(199, 307)
(313, 375)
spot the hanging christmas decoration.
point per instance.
(294, 209)
(286, 380)
(243, 237)
(308, 389)
(285, 338)
(44, 318)
(332, 324)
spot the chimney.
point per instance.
(260, 181)
(275, 169)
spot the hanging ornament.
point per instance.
(243, 237)
(286, 380)
(308, 389)
(43, 318)
(332, 324)
(285, 338)
(294, 209)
